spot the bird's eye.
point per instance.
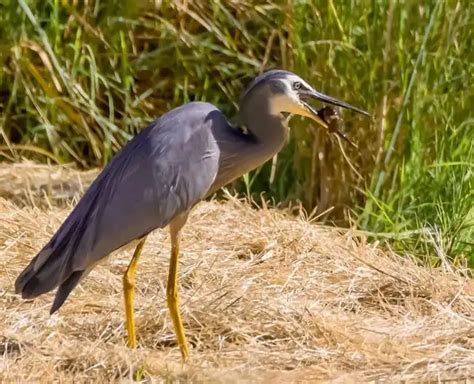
(297, 85)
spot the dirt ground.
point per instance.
(265, 296)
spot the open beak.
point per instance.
(313, 113)
(317, 115)
(331, 100)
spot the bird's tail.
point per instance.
(44, 273)
(40, 276)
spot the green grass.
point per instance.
(77, 81)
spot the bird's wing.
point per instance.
(164, 171)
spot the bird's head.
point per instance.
(287, 92)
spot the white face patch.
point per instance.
(289, 100)
(284, 103)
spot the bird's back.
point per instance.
(162, 172)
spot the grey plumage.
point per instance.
(163, 172)
(142, 188)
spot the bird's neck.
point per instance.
(241, 153)
(268, 127)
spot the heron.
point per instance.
(156, 179)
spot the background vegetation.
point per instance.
(79, 78)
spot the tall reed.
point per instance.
(78, 79)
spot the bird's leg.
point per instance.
(172, 288)
(129, 293)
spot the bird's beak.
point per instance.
(313, 113)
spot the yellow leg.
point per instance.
(129, 293)
(172, 296)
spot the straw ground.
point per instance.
(266, 297)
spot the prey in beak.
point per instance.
(334, 122)
(328, 117)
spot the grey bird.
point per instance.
(158, 177)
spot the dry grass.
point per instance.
(266, 297)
